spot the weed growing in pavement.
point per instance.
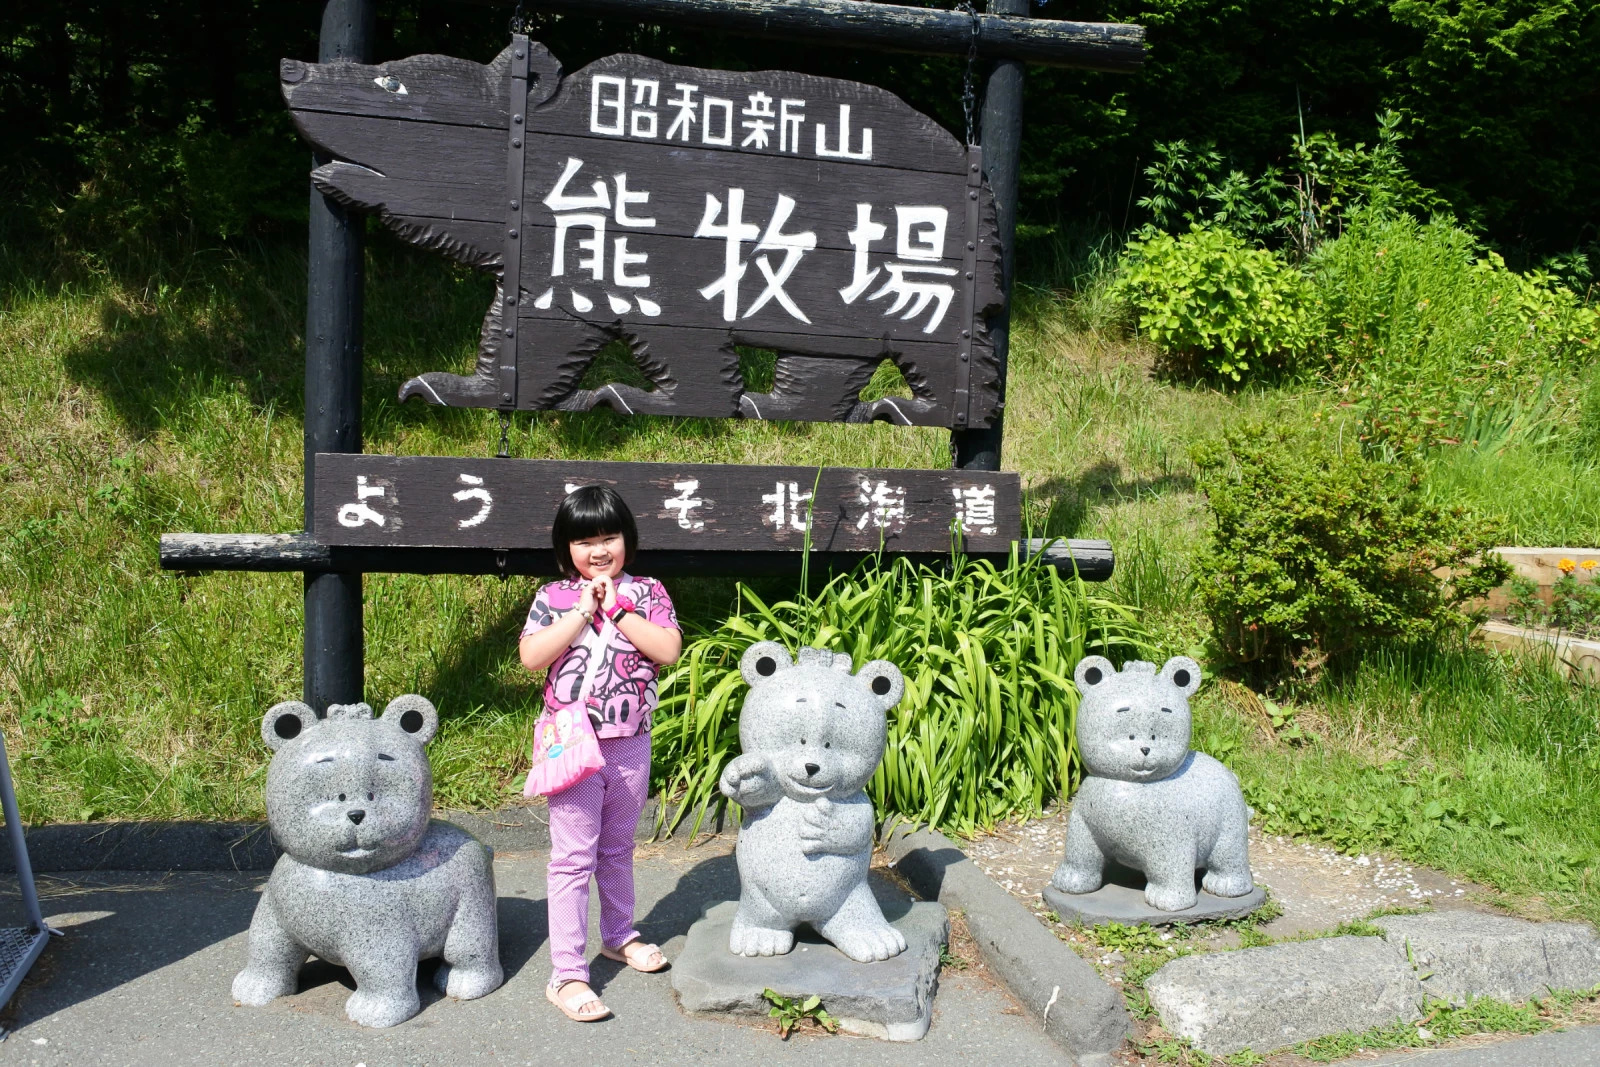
(791, 1012)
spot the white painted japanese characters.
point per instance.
(683, 212)
(504, 503)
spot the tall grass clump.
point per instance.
(985, 729)
(1439, 343)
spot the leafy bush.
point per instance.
(1216, 307)
(1574, 604)
(985, 729)
(1297, 206)
(1317, 549)
(1435, 341)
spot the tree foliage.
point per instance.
(168, 114)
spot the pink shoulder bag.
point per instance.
(565, 748)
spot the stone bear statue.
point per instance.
(1147, 801)
(367, 881)
(812, 735)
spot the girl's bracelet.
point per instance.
(588, 616)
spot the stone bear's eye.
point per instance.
(827, 744)
(341, 796)
(369, 795)
(766, 666)
(1181, 679)
(802, 740)
(882, 685)
(1152, 737)
(1130, 738)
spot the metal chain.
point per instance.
(969, 95)
(505, 436)
(519, 22)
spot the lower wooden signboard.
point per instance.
(446, 502)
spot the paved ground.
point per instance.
(143, 979)
(1570, 1048)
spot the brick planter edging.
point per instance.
(1078, 1009)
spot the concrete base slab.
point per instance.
(1121, 900)
(1265, 998)
(891, 999)
(1462, 954)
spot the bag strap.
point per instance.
(595, 641)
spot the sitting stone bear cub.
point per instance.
(812, 735)
(1148, 802)
(366, 880)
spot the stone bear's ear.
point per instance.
(414, 714)
(286, 721)
(762, 661)
(1183, 674)
(884, 681)
(1092, 670)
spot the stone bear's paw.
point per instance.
(468, 982)
(255, 989)
(759, 941)
(869, 943)
(1070, 879)
(1228, 885)
(378, 1010)
(1171, 897)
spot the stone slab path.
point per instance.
(143, 978)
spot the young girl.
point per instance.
(592, 823)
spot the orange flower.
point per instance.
(1566, 566)
(1588, 564)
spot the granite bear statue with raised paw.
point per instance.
(1147, 801)
(367, 881)
(812, 735)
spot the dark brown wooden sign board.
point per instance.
(442, 502)
(682, 212)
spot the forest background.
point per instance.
(120, 120)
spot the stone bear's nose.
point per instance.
(357, 815)
(812, 768)
(1142, 748)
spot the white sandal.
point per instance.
(569, 1005)
(620, 954)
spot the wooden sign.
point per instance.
(433, 501)
(683, 212)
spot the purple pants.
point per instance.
(591, 834)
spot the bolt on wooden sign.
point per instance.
(683, 212)
(434, 501)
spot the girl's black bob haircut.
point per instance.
(589, 512)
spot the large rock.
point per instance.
(1265, 998)
(1460, 954)
(890, 999)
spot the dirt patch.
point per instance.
(1316, 886)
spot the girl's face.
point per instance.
(597, 555)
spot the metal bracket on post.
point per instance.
(511, 276)
(962, 404)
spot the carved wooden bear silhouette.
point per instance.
(682, 212)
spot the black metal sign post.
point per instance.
(683, 212)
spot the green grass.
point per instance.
(163, 394)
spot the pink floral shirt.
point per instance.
(624, 692)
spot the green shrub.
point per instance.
(1436, 342)
(1316, 550)
(985, 729)
(1217, 308)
